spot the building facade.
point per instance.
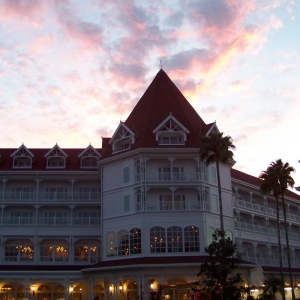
(131, 220)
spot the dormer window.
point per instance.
(171, 132)
(22, 162)
(56, 162)
(122, 139)
(56, 158)
(89, 158)
(22, 158)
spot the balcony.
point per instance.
(173, 206)
(33, 197)
(50, 221)
(266, 211)
(266, 230)
(171, 177)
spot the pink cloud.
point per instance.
(42, 44)
(276, 22)
(24, 10)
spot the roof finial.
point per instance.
(160, 63)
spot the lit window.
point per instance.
(157, 240)
(174, 239)
(191, 239)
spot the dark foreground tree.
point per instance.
(277, 179)
(272, 286)
(216, 148)
(270, 185)
(220, 279)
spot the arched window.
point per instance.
(135, 241)
(229, 234)
(191, 239)
(54, 250)
(123, 243)
(59, 292)
(44, 292)
(87, 251)
(174, 239)
(111, 244)
(98, 292)
(157, 239)
(19, 250)
(210, 232)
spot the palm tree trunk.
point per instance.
(288, 247)
(220, 197)
(279, 245)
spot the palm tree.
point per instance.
(272, 286)
(216, 148)
(285, 181)
(270, 184)
(277, 179)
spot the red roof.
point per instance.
(161, 99)
(238, 175)
(39, 160)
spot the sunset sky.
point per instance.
(71, 70)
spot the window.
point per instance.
(22, 162)
(123, 243)
(174, 239)
(111, 244)
(19, 250)
(157, 240)
(126, 200)
(179, 202)
(210, 232)
(22, 193)
(56, 162)
(56, 193)
(87, 251)
(213, 175)
(171, 132)
(55, 217)
(214, 203)
(126, 177)
(203, 198)
(54, 250)
(89, 193)
(165, 202)
(88, 218)
(21, 217)
(171, 140)
(191, 239)
(202, 172)
(89, 162)
(164, 173)
(178, 173)
(135, 241)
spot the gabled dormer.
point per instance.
(89, 158)
(171, 132)
(22, 158)
(122, 139)
(56, 158)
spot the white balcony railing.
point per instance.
(50, 196)
(186, 205)
(171, 177)
(50, 221)
(248, 206)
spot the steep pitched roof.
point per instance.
(161, 98)
(246, 178)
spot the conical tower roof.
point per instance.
(161, 99)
